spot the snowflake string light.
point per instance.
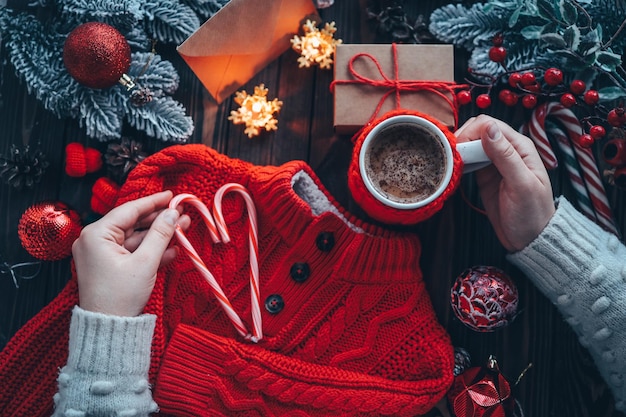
(316, 46)
(255, 111)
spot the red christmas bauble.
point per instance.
(96, 55)
(482, 392)
(484, 298)
(48, 229)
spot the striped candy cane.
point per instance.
(219, 233)
(588, 169)
(255, 294)
(537, 132)
(573, 169)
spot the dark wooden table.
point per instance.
(562, 381)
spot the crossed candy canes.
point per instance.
(218, 231)
(579, 162)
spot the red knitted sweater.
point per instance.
(351, 329)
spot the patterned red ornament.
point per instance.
(483, 392)
(48, 229)
(484, 298)
(96, 55)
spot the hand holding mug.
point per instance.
(516, 190)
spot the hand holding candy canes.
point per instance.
(117, 257)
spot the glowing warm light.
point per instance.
(316, 46)
(255, 111)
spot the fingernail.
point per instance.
(493, 132)
(171, 216)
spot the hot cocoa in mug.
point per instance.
(406, 161)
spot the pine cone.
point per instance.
(22, 167)
(393, 23)
(123, 157)
(140, 97)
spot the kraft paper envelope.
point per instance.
(241, 39)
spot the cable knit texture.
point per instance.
(582, 269)
(390, 215)
(356, 335)
(107, 368)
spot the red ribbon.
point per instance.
(397, 86)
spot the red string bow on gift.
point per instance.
(482, 392)
(443, 89)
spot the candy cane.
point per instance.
(586, 159)
(255, 294)
(537, 132)
(589, 170)
(219, 233)
(573, 169)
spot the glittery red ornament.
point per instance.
(482, 392)
(484, 298)
(48, 229)
(96, 55)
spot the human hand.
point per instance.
(117, 257)
(515, 190)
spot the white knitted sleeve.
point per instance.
(107, 368)
(582, 270)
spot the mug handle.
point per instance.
(473, 155)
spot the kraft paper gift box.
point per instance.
(355, 104)
(241, 39)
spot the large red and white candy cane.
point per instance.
(255, 295)
(536, 128)
(219, 233)
(573, 169)
(588, 170)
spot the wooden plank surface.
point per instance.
(563, 380)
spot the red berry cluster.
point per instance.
(532, 85)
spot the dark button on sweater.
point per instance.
(325, 241)
(274, 303)
(300, 271)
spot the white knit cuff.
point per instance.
(113, 345)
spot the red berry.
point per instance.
(529, 101)
(498, 40)
(508, 97)
(597, 132)
(553, 76)
(528, 78)
(464, 97)
(586, 141)
(535, 88)
(577, 87)
(497, 53)
(512, 100)
(616, 117)
(568, 100)
(483, 101)
(591, 97)
(515, 79)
